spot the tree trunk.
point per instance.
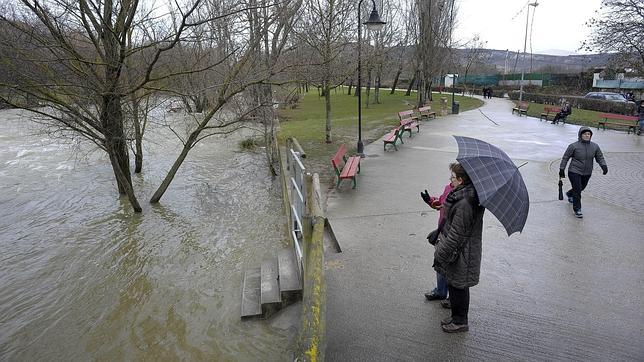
(393, 86)
(173, 170)
(368, 90)
(268, 118)
(327, 107)
(116, 145)
(376, 91)
(138, 138)
(350, 86)
(420, 91)
(411, 85)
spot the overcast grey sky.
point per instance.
(558, 24)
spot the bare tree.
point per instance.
(434, 32)
(242, 71)
(323, 27)
(620, 29)
(386, 44)
(92, 60)
(474, 55)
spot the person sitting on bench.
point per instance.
(565, 111)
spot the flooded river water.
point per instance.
(84, 278)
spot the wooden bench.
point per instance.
(521, 109)
(618, 120)
(549, 113)
(426, 112)
(407, 114)
(408, 121)
(393, 136)
(345, 167)
(408, 125)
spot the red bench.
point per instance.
(393, 136)
(407, 114)
(426, 112)
(345, 167)
(549, 113)
(522, 108)
(408, 121)
(615, 120)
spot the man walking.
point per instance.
(582, 153)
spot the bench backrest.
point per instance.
(424, 109)
(405, 114)
(617, 116)
(552, 109)
(338, 159)
(524, 105)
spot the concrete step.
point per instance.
(270, 289)
(251, 305)
(290, 280)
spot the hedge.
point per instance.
(598, 105)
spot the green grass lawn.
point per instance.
(307, 121)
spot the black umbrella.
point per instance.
(497, 181)
(560, 189)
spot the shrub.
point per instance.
(249, 143)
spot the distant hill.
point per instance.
(501, 59)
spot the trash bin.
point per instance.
(455, 107)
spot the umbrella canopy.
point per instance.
(497, 181)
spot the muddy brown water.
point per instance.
(84, 278)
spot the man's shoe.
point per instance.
(455, 328)
(446, 321)
(432, 296)
(578, 214)
(446, 304)
(570, 200)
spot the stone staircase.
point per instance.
(276, 284)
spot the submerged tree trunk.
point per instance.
(116, 146)
(138, 137)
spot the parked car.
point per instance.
(607, 96)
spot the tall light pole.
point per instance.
(525, 42)
(451, 47)
(374, 23)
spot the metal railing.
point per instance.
(297, 195)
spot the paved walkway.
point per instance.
(564, 289)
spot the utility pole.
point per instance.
(525, 43)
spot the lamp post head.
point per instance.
(374, 23)
(533, 4)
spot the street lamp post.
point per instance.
(451, 47)
(525, 41)
(374, 23)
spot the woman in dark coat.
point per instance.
(458, 250)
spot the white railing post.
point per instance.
(297, 198)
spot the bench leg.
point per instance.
(337, 185)
(354, 182)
